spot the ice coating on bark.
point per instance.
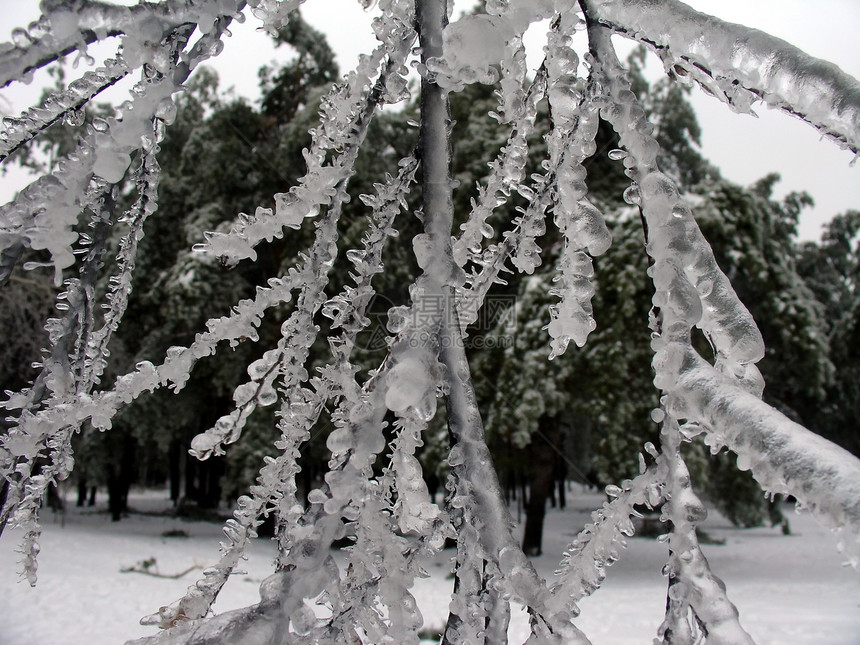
(65, 104)
(783, 456)
(690, 287)
(741, 65)
(693, 588)
(475, 44)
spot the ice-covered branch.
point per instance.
(579, 221)
(346, 114)
(508, 170)
(583, 565)
(692, 584)
(43, 216)
(120, 285)
(684, 273)
(105, 153)
(72, 26)
(66, 105)
(739, 64)
(783, 456)
(275, 488)
(287, 360)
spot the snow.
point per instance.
(788, 589)
(690, 291)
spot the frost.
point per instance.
(373, 493)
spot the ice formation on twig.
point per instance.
(387, 514)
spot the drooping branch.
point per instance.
(782, 455)
(72, 26)
(679, 260)
(739, 64)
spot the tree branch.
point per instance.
(740, 64)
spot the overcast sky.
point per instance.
(743, 147)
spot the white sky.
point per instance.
(744, 148)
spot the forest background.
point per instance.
(587, 415)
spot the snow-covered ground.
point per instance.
(789, 590)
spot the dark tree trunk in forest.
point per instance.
(203, 482)
(561, 481)
(119, 478)
(209, 474)
(82, 491)
(542, 455)
(174, 457)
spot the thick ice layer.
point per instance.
(474, 45)
(783, 456)
(741, 64)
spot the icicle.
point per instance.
(508, 170)
(274, 14)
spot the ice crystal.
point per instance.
(374, 493)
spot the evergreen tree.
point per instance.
(831, 269)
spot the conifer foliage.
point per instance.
(373, 494)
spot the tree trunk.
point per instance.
(561, 481)
(82, 491)
(174, 457)
(119, 478)
(541, 482)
